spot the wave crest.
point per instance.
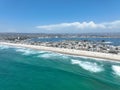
(28, 51)
(52, 55)
(4, 47)
(89, 66)
(116, 69)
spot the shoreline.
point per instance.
(89, 54)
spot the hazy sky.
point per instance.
(60, 16)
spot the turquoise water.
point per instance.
(27, 69)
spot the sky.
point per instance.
(60, 16)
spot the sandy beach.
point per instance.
(69, 51)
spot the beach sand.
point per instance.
(100, 55)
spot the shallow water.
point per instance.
(27, 69)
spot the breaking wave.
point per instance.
(4, 47)
(26, 51)
(52, 55)
(95, 59)
(89, 66)
(116, 69)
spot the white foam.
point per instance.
(96, 59)
(108, 42)
(116, 69)
(26, 51)
(90, 66)
(52, 55)
(4, 47)
(45, 55)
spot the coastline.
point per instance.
(99, 55)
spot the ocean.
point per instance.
(28, 69)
